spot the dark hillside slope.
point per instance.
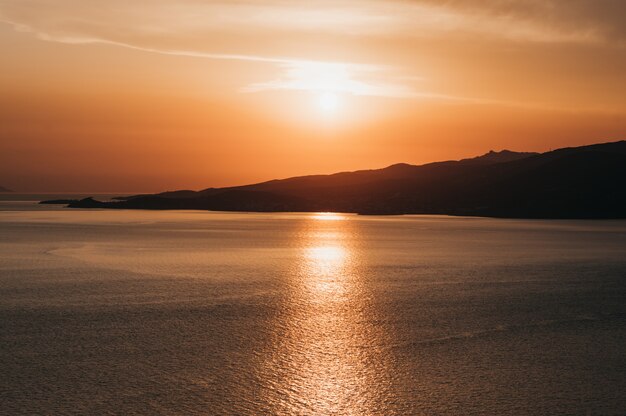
(577, 182)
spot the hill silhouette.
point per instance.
(577, 182)
(3, 189)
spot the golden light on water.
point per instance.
(323, 262)
(328, 216)
(322, 254)
(325, 364)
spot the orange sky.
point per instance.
(144, 96)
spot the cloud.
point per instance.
(333, 77)
(206, 29)
(561, 21)
(189, 26)
(198, 22)
(297, 74)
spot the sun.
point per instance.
(328, 102)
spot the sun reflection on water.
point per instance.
(323, 263)
(328, 216)
(323, 359)
(323, 254)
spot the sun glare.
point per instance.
(328, 102)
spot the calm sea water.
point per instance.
(184, 313)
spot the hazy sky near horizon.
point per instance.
(152, 95)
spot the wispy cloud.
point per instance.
(292, 73)
(295, 74)
(355, 79)
(195, 28)
(574, 21)
(555, 21)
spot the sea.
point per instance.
(114, 312)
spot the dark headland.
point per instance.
(578, 182)
(4, 190)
